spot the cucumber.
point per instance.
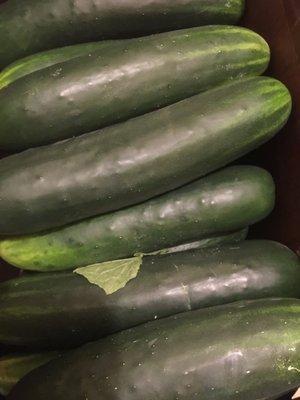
(129, 163)
(213, 241)
(222, 202)
(63, 310)
(30, 26)
(242, 351)
(124, 80)
(37, 62)
(14, 367)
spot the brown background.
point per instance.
(278, 21)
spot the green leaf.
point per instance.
(112, 276)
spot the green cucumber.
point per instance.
(214, 241)
(63, 310)
(242, 351)
(144, 157)
(30, 26)
(222, 202)
(37, 62)
(14, 367)
(124, 80)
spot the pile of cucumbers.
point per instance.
(124, 205)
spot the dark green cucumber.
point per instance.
(124, 80)
(36, 62)
(30, 26)
(131, 162)
(214, 241)
(242, 351)
(222, 202)
(62, 310)
(14, 367)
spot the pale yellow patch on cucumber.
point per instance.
(112, 276)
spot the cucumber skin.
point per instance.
(129, 163)
(214, 241)
(63, 310)
(243, 351)
(31, 26)
(14, 367)
(37, 62)
(222, 202)
(88, 93)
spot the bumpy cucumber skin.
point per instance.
(62, 310)
(30, 26)
(243, 351)
(131, 162)
(14, 367)
(225, 201)
(36, 62)
(123, 81)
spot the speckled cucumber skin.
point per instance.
(63, 310)
(144, 157)
(30, 26)
(36, 62)
(225, 201)
(242, 351)
(124, 80)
